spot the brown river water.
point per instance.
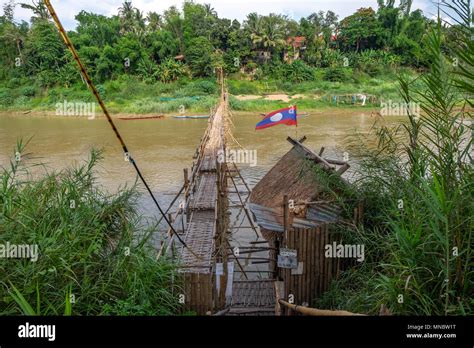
(162, 148)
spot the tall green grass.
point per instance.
(417, 184)
(94, 257)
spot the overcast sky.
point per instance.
(232, 9)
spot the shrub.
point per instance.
(28, 91)
(336, 75)
(242, 87)
(201, 87)
(298, 71)
(6, 98)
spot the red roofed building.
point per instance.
(294, 47)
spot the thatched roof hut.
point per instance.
(294, 176)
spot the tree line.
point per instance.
(192, 40)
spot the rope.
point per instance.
(91, 85)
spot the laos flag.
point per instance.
(283, 116)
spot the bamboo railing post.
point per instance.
(186, 193)
(286, 214)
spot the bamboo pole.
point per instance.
(317, 312)
(311, 154)
(238, 261)
(244, 208)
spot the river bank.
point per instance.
(130, 95)
(324, 109)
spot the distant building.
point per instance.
(295, 45)
(263, 56)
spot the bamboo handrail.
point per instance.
(317, 312)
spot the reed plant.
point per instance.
(416, 181)
(94, 257)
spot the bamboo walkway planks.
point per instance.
(201, 231)
(200, 238)
(253, 297)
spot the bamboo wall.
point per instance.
(198, 291)
(318, 271)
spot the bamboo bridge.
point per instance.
(202, 221)
(217, 279)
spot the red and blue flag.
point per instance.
(283, 116)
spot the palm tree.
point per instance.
(253, 23)
(271, 35)
(127, 16)
(210, 12)
(39, 9)
(126, 10)
(154, 21)
(138, 21)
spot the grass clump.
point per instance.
(94, 258)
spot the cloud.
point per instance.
(232, 9)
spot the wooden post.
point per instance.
(286, 215)
(186, 178)
(279, 295)
(279, 239)
(186, 193)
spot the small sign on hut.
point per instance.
(287, 258)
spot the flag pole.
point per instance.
(296, 126)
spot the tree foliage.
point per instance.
(194, 39)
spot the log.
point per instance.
(333, 161)
(343, 169)
(317, 312)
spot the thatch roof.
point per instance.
(293, 175)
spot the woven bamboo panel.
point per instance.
(206, 195)
(253, 297)
(200, 239)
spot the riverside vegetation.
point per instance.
(162, 62)
(417, 187)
